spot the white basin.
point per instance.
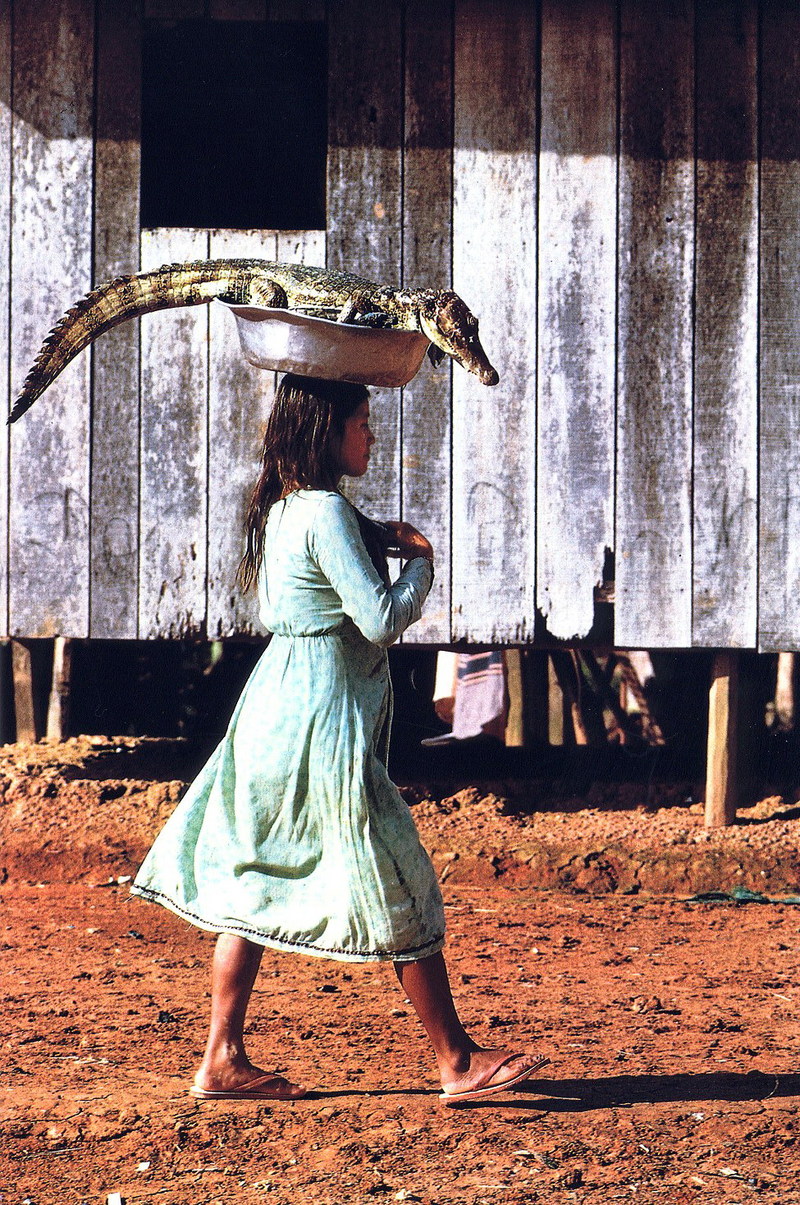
(284, 341)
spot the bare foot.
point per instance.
(490, 1071)
(240, 1079)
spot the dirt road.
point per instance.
(671, 1026)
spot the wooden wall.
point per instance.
(612, 185)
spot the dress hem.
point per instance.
(410, 954)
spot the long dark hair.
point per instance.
(301, 445)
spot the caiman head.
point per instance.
(452, 328)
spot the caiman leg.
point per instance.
(268, 294)
(354, 306)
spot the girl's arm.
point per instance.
(380, 612)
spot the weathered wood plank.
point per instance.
(174, 452)
(427, 237)
(779, 494)
(494, 270)
(239, 401)
(364, 194)
(577, 310)
(656, 221)
(51, 268)
(726, 330)
(115, 357)
(5, 271)
(302, 247)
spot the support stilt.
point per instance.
(566, 673)
(555, 706)
(784, 692)
(22, 669)
(58, 707)
(515, 720)
(721, 781)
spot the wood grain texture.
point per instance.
(365, 90)
(656, 231)
(51, 268)
(5, 309)
(577, 310)
(115, 357)
(779, 492)
(302, 247)
(427, 240)
(174, 452)
(239, 400)
(494, 270)
(726, 332)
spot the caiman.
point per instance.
(439, 314)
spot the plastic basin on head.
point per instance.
(285, 341)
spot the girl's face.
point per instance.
(356, 443)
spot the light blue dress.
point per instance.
(293, 835)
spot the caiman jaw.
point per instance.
(459, 340)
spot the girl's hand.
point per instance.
(406, 542)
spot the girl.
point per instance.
(292, 836)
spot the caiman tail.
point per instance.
(168, 287)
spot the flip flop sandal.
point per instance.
(491, 1089)
(256, 1089)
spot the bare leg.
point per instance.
(225, 1064)
(463, 1064)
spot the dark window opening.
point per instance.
(234, 125)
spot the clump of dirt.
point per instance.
(92, 805)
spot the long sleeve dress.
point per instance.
(292, 835)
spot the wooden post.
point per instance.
(58, 707)
(784, 692)
(515, 720)
(555, 706)
(566, 673)
(721, 785)
(24, 710)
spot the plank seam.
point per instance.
(537, 137)
(692, 434)
(204, 633)
(618, 274)
(93, 269)
(402, 228)
(140, 439)
(759, 146)
(451, 475)
(9, 263)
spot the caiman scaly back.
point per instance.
(440, 314)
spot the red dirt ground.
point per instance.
(671, 1025)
